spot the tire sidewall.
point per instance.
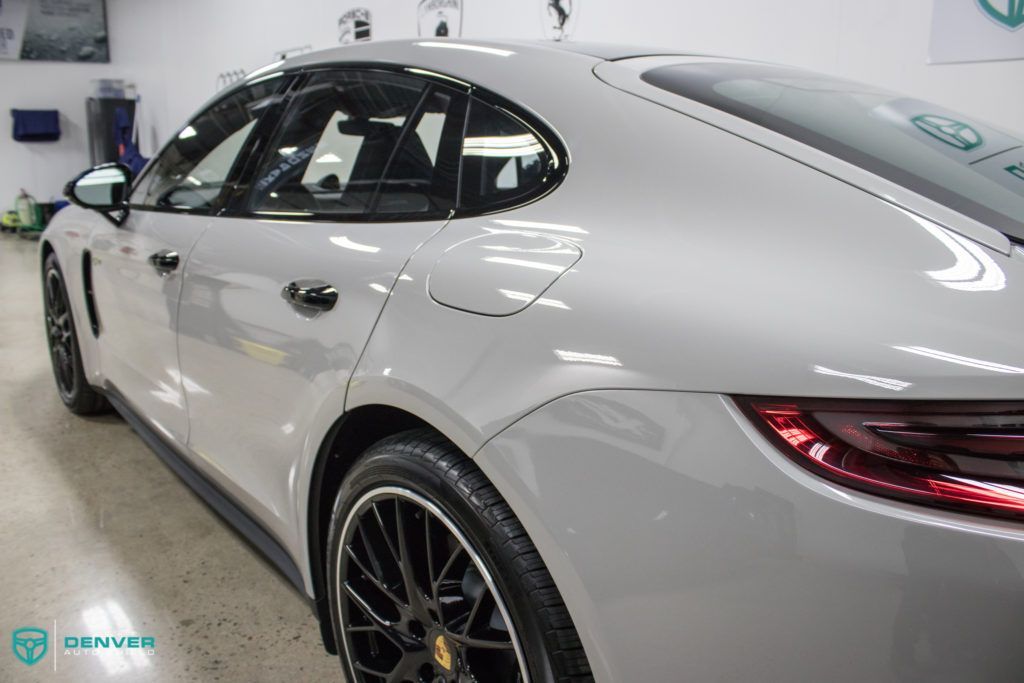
(380, 468)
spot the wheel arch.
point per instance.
(45, 249)
(349, 436)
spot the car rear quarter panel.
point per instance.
(688, 548)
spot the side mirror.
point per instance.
(103, 188)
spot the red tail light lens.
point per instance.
(967, 456)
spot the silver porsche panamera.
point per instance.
(529, 362)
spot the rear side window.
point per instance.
(949, 158)
(422, 178)
(504, 161)
(336, 142)
(192, 169)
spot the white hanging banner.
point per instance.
(976, 31)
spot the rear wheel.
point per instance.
(432, 579)
(65, 356)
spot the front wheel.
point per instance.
(65, 356)
(432, 579)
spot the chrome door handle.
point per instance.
(311, 294)
(164, 261)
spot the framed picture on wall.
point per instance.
(54, 30)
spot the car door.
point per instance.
(137, 266)
(282, 293)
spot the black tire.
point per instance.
(422, 464)
(62, 340)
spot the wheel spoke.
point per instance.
(473, 611)
(385, 534)
(479, 643)
(430, 555)
(378, 584)
(55, 295)
(51, 292)
(448, 565)
(373, 672)
(381, 625)
(412, 591)
(371, 552)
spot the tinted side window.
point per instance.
(335, 143)
(422, 178)
(503, 161)
(191, 171)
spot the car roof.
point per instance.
(420, 51)
(613, 51)
(516, 69)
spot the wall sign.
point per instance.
(558, 18)
(54, 30)
(976, 30)
(440, 18)
(355, 26)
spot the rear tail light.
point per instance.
(967, 456)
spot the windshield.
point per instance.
(945, 156)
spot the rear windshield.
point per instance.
(945, 156)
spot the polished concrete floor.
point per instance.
(98, 537)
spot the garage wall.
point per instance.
(174, 51)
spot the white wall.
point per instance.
(174, 49)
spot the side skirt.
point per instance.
(227, 508)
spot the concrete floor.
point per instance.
(97, 535)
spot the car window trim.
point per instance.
(267, 130)
(237, 165)
(238, 206)
(555, 150)
(461, 109)
(403, 135)
(552, 141)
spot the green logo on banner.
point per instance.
(1007, 13)
(954, 133)
(1017, 170)
(29, 644)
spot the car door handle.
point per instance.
(164, 261)
(311, 294)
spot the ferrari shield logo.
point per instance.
(440, 18)
(1007, 13)
(354, 26)
(558, 18)
(29, 644)
(950, 131)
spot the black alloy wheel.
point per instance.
(419, 604)
(65, 355)
(432, 579)
(58, 327)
